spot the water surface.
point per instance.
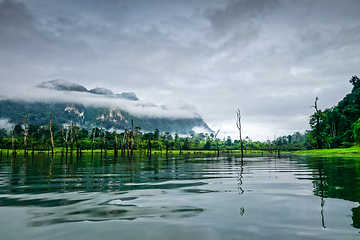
(179, 197)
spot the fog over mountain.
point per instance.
(268, 58)
(74, 101)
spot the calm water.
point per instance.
(182, 197)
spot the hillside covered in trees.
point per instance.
(116, 110)
(338, 126)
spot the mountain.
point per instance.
(59, 84)
(63, 85)
(116, 111)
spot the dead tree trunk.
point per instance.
(51, 135)
(149, 148)
(132, 138)
(128, 144)
(25, 123)
(317, 130)
(238, 124)
(217, 141)
(105, 145)
(71, 137)
(76, 140)
(123, 144)
(93, 140)
(65, 137)
(12, 140)
(101, 137)
(115, 144)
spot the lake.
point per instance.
(179, 197)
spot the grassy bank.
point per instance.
(352, 151)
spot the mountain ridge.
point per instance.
(113, 117)
(64, 85)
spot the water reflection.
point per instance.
(79, 189)
(115, 209)
(82, 182)
(337, 178)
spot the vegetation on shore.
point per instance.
(338, 126)
(351, 151)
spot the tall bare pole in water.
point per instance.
(238, 124)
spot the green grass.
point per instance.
(352, 151)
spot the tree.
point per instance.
(207, 145)
(25, 123)
(355, 81)
(51, 135)
(93, 138)
(228, 141)
(186, 145)
(357, 130)
(318, 124)
(217, 141)
(238, 124)
(156, 134)
(132, 137)
(65, 137)
(115, 142)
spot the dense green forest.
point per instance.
(338, 126)
(74, 137)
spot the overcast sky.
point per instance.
(268, 58)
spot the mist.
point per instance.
(172, 109)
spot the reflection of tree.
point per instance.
(356, 217)
(239, 179)
(240, 176)
(322, 193)
(337, 178)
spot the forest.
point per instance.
(338, 126)
(73, 137)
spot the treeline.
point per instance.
(73, 137)
(338, 126)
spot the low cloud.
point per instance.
(4, 123)
(175, 110)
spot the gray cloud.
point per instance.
(237, 14)
(4, 123)
(268, 58)
(171, 109)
